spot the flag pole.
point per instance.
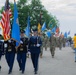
(14, 0)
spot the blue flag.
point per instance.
(15, 27)
(65, 34)
(48, 33)
(69, 33)
(27, 30)
(54, 29)
(43, 27)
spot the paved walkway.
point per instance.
(62, 64)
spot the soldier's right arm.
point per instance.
(18, 47)
(29, 43)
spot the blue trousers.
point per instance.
(34, 58)
(10, 56)
(21, 58)
(0, 55)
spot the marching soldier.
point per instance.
(21, 52)
(70, 41)
(42, 38)
(10, 51)
(34, 46)
(45, 42)
(59, 42)
(64, 41)
(52, 45)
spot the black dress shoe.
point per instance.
(9, 72)
(35, 72)
(22, 72)
(20, 69)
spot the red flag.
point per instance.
(5, 21)
(57, 30)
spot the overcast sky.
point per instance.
(64, 10)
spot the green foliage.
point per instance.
(1, 11)
(23, 10)
(35, 12)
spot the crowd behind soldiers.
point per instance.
(54, 42)
(9, 49)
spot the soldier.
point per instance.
(10, 51)
(21, 52)
(52, 45)
(34, 46)
(63, 41)
(60, 42)
(45, 43)
(57, 41)
(42, 38)
(70, 41)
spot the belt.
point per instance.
(9, 50)
(21, 49)
(33, 45)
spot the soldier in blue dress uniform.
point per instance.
(21, 52)
(10, 51)
(34, 46)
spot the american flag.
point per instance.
(5, 21)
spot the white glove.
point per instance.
(9, 41)
(5, 45)
(21, 42)
(38, 45)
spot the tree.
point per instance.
(23, 9)
(35, 12)
(40, 15)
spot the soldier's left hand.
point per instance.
(38, 45)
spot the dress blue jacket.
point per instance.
(33, 41)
